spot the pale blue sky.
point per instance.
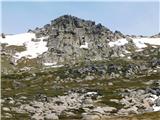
(139, 18)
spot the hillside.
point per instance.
(73, 68)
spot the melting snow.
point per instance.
(119, 42)
(140, 42)
(33, 49)
(50, 64)
(85, 46)
(53, 65)
(156, 108)
(92, 93)
(153, 98)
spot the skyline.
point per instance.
(138, 18)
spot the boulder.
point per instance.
(157, 101)
(37, 116)
(51, 116)
(3, 35)
(86, 116)
(6, 109)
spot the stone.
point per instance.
(68, 114)
(86, 116)
(99, 110)
(8, 115)
(30, 109)
(37, 104)
(109, 109)
(131, 110)
(11, 102)
(3, 35)
(110, 83)
(2, 101)
(51, 116)
(23, 97)
(147, 103)
(5, 109)
(114, 100)
(89, 78)
(157, 102)
(88, 101)
(37, 116)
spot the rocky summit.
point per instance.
(72, 40)
(73, 69)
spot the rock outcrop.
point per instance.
(72, 40)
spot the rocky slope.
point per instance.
(77, 69)
(72, 40)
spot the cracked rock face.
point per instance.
(67, 36)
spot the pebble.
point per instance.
(5, 109)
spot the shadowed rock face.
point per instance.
(156, 36)
(67, 34)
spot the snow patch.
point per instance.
(119, 42)
(153, 98)
(91, 93)
(141, 42)
(33, 49)
(56, 66)
(156, 108)
(18, 39)
(85, 46)
(50, 64)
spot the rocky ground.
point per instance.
(79, 104)
(51, 95)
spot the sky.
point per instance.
(138, 18)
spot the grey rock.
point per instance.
(131, 110)
(29, 109)
(3, 35)
(51, 116)
(109, 109)
(89, 77)
(157, 101)
(8, 115)
(6, 109)
(91, 117)
(37, 116)
(110, 83)
(67, 33)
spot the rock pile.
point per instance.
(51, 108)
(140, 101)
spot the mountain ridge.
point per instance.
(75, 69)
(71, 40)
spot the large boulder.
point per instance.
(51, 116)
